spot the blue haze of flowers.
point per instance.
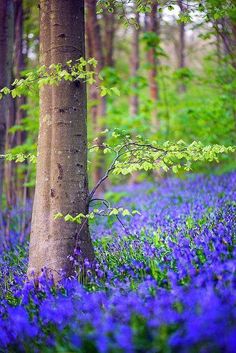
(165, 281)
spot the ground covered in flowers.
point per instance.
(165, 279)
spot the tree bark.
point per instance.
(61, 177)
(218, 44)
(109, 33)
(134, 101)
(181, 38)
(14, 188)
(182, 45)
(10, 166)
(93, 92)
(226, 30)
(182, 87)
(94, 30)
(6, 46)
(19, 63)
(152, 26)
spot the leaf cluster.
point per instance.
(111, 211)
(145, 155)
(54, 74)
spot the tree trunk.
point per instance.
(134, 101)
(61, 178)
(152, 26)
(93, 92)
(94, 30)
(182, 45)
(135, 60)
(15, 187)
(109, 32)
(232, 24)
(10, 166)
(19, 63)
(6, 46)
(218, 44)
(226, 30)
(181, 38)
(182, 87)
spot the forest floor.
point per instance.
(165, 279)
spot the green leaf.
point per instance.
(58, 216)
(114, 212)
(69, 218)
(115, 90)
(126, 213)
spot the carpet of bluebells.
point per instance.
(165, 280)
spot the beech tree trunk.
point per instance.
(109, 33)
(61, 178)
(218, 45)
(152, 26)
(182, 45)
(6, 47)
(181, 58)
(19, 63)
(94, 31)
(226, 35)
(20, 59)
(135, 61)
(93, 92)
(14, 187)
(134, 101)
(181, 38)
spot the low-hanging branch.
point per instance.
(73, 71)
(137, 155)
(140, 154)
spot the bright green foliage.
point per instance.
(204, 111)
(54, 74)
(193, 115)
(111, 211)
(143, 154)
(19, 157)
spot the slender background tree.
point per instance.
(135, 63)
(152, 28)
(6, 55)
(99, 114)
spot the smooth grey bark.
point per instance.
(61, 178)
(6, 47)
